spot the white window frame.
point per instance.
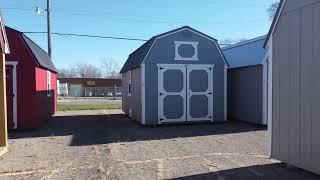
(178, 57)
(129, 83)
(48, 84)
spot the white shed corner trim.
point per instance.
(270, 61)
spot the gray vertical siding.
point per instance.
(296, 85)
(306, 87)
(124, 92)
(245, 94)
(316, 89)
(151, 94)
(132, 102)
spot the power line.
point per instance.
(149, 20)
(19, 9)
(87, 35)
(97, 36)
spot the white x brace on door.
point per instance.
(185, 93)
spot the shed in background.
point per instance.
(176, 77)
(31, 83)
(89, 87)
(247, 81)
(293, 46)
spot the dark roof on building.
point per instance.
(39, 54)
(42, 57)
(136, 58)
(4, 45)
(274, 22)
(247, 53)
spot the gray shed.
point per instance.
(293, 46)
(247, 81)
(176, 77)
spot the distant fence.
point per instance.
(79, 91)
(102, 91)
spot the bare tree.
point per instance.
(272, 10)
(86, 70)
(227, 42)
(110, 68)
(67, 72)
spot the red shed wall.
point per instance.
(25, 80)
(34, 107)
(45, 105)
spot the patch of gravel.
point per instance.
(106, 144)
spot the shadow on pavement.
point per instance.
(103, 129)
(276, 171)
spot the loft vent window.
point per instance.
(186, 51)
(48, 84)
(129, 83)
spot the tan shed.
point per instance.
(4, 50)
(293, 45)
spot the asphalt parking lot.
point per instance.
(106, 144)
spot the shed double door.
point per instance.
(185, 93)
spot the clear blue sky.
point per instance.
(221, 19)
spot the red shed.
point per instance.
(31, 83)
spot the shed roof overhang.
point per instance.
(274, 22)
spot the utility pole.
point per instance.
(49, 28)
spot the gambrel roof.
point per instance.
(136, 58)
(41, 56)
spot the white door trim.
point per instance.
(206, 93)
(14, 89)
(182, 68)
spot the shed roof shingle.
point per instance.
(41, 56)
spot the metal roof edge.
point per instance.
(245, 42)
(274, 22)
(239, 67)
